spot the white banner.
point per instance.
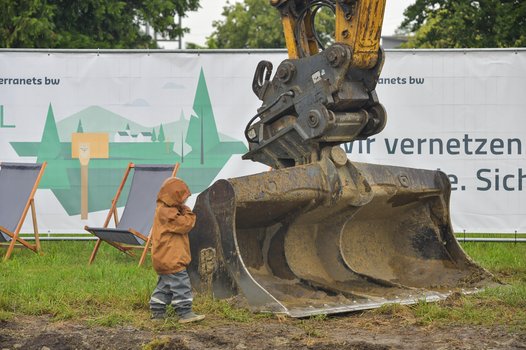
(458, 111)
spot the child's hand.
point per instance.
(185, 209)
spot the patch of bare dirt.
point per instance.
(362, 332)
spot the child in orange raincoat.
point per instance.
(171, 252)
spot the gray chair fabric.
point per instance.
(140, 205)
(16, 183)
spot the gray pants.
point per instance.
(174, 289)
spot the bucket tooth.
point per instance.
(321, 238)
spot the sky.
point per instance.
(200, 22)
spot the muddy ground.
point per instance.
(354, 331)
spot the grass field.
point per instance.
(114, 291)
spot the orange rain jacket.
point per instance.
(171, 224)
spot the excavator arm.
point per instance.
(319, 97)
(358, 24)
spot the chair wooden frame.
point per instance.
(125, 248)
(15, 234)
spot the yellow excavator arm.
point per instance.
(358, 24)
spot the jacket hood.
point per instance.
(173, 192)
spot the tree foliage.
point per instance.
(456, 24)
(247, 24)
(89, 23)
(256, 24)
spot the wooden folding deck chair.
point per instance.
(132, 231)
(18, 184)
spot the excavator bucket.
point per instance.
(330, 237)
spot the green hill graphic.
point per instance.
(195, 143)
(98, 119)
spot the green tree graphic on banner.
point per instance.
(79, 127)
(202, 133)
